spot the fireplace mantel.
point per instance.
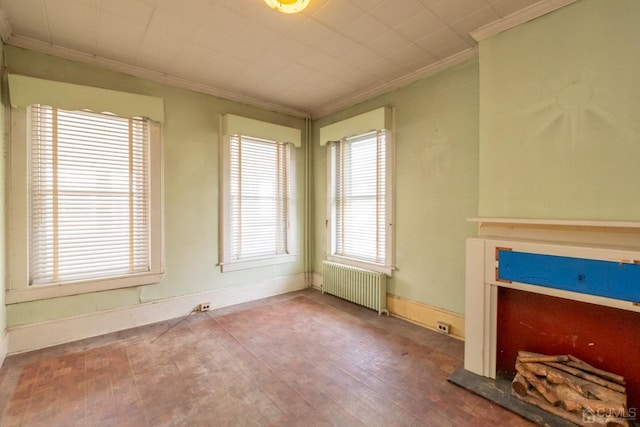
(556, 222)
(617, 241)
(615, 234)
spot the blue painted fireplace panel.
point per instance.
(594, 277)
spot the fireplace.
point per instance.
(593, 314)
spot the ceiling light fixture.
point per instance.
(288, 6)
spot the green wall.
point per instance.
(436, 183)
(560, 115)
(3, 228)
(191, 190)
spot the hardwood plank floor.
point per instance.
(299, 359)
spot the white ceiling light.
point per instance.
(288, 6)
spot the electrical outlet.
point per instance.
(204, 306)
(443, 327)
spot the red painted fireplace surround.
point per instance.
(503, 318)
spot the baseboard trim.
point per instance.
(419, 313)
(425, 315)
(34, 336)
(316, 281)
(4, 346)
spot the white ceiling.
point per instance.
(334, 53)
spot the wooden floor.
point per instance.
(300, 359)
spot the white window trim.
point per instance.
(18, 289)
(388, 270)
(389, 266)
(258, 262)
(226, 265)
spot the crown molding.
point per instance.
(402, 81)
(538, 9)
(137, 71)
(156, 76)
(520, 17)
(5, 28)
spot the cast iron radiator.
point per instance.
(364, 287)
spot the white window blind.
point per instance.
(259, 198)
(358, 169)
(89, 203)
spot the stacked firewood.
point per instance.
(572, 389)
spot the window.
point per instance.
(89, 196)
(358, 197)
(93, 205)
(258, 208)
(360, 190)
(360, 226)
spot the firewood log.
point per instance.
(520, 385)
(573, 401)
(534, 398)
(618, 379)
(575, 359)
(616, 422)
(565, 393)
(531, 378)
(573, 362)
(569, 398)
(585, 388)
(603, 393)
(571, 405)
(589, 377)
(526, 357)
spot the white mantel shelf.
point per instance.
(557, 222)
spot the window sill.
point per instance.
(254, 263)
(388, 270)
(34, 293)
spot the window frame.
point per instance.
(18, 288)
(226, 263)
(389, 266)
